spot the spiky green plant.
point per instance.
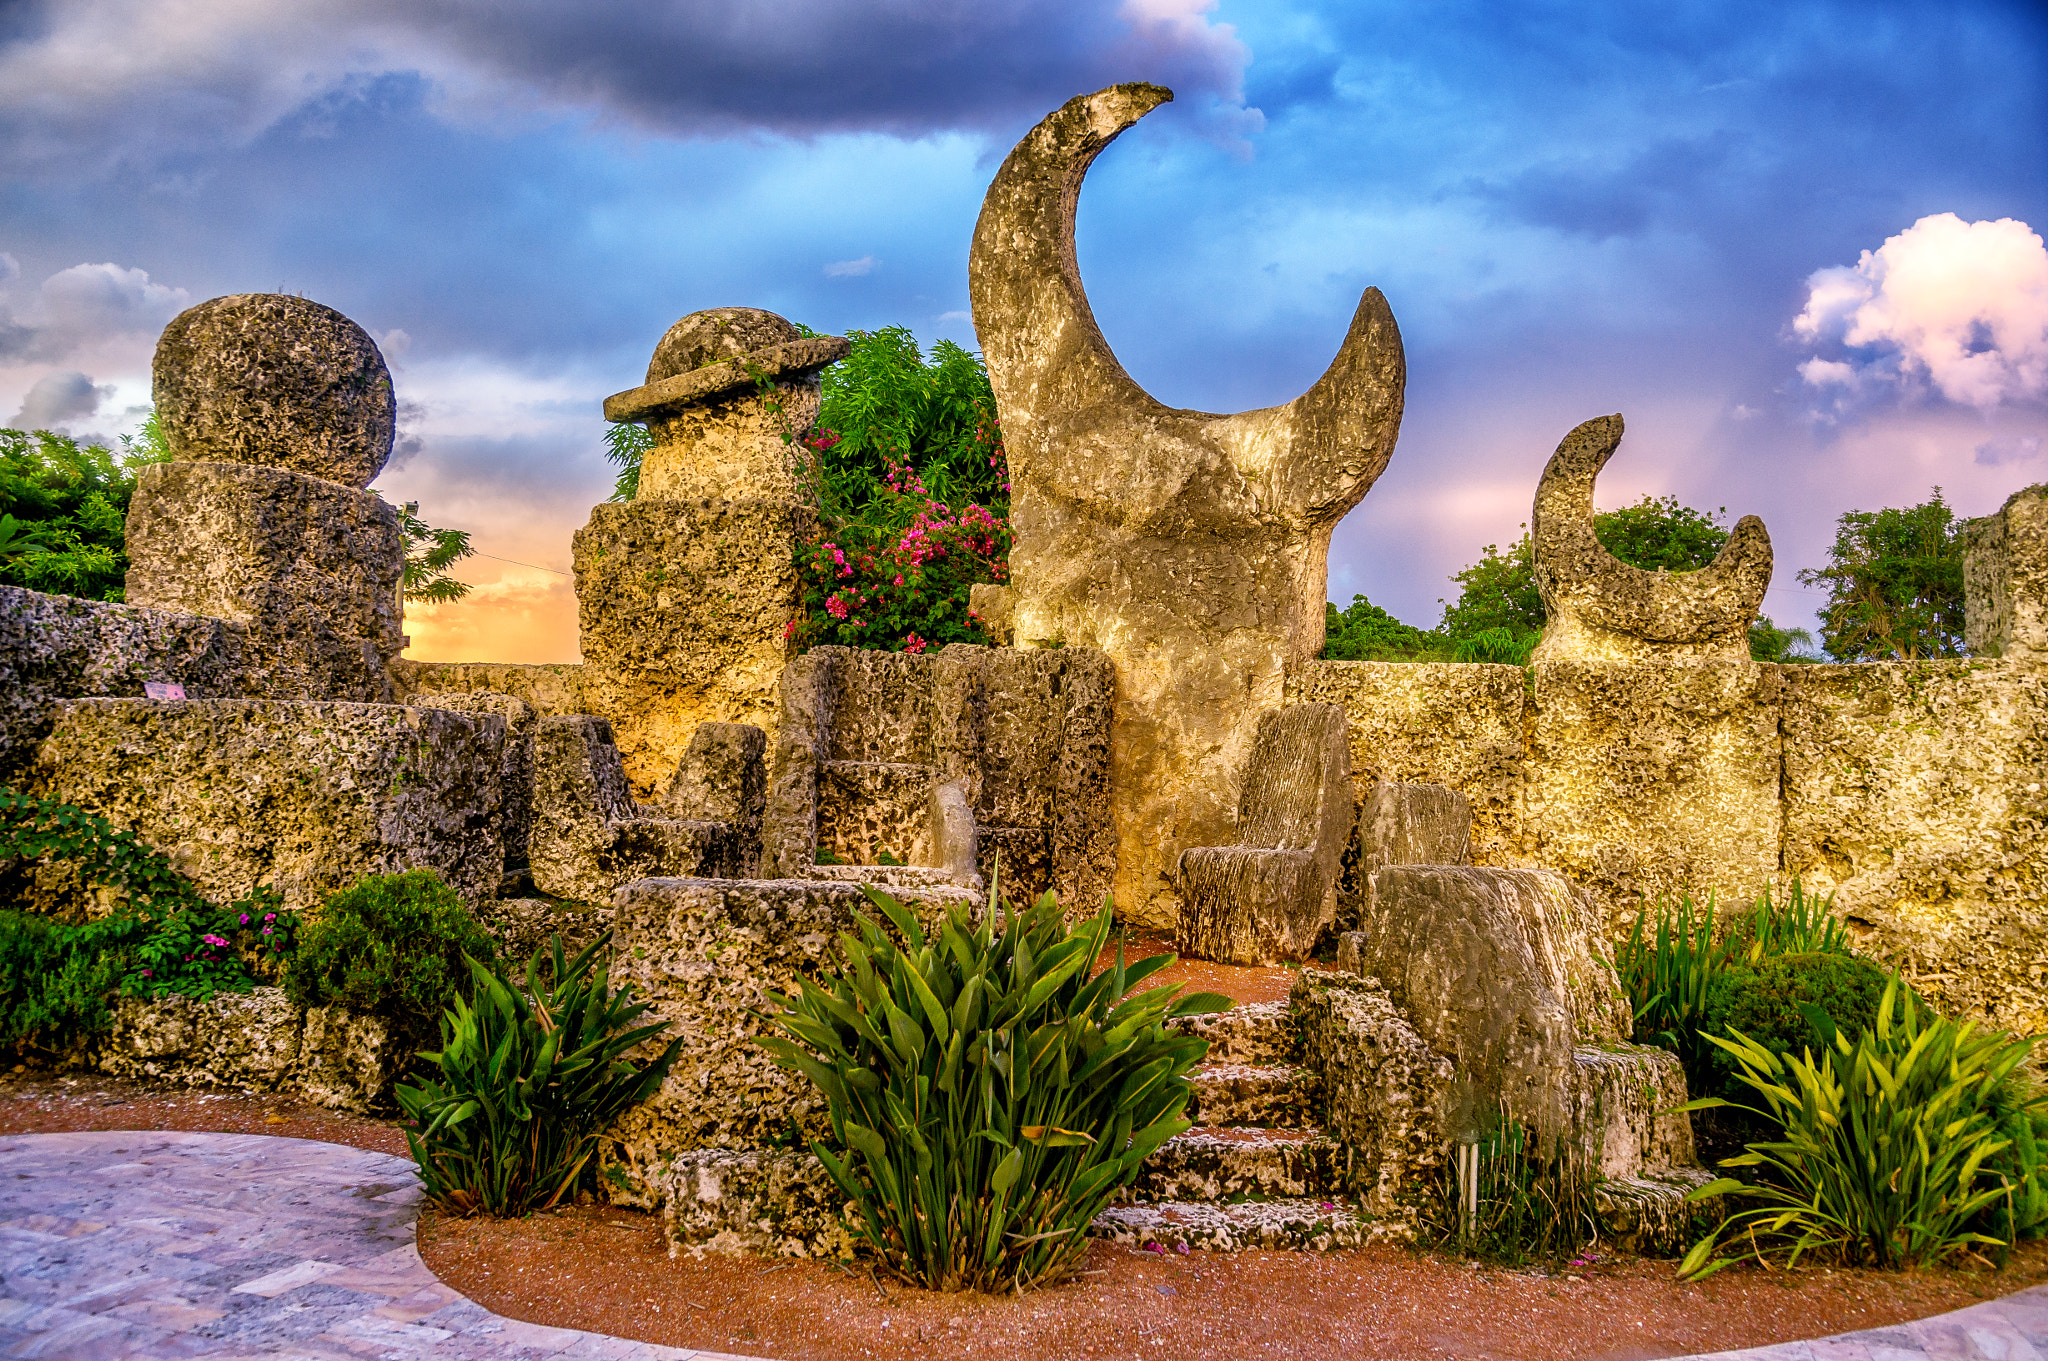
(531, 1077)
(1667, 966)
(988, 1092)
(1885, 1156)
(1799, 923)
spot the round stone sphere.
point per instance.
(278, 381)
(717, 333)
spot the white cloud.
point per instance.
(2019, 449)
(850, 269)
(1961, 306)
(83, 306)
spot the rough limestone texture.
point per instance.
(1917, 793)
(1651, 780)
(2005, 580)
(768, 1204)
(275, 380)
(684, 610)
(723, 777)
(875, 748)
(1382, 1088)
(60, 647)
(717, 435)
(1456, 725)
(515, 772)
(522, 927)
(590, 836)
(707, 953)
(1413, 824)
(257, 1042)
(1497, 971)
(555, 688)
(1271, 896)
(1190, 547)
(1598, 608)
(303, 797)
(310, 567)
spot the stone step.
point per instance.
(1270, 1095)
(1212, 1163)
(1648, 1214)
(886, 876)
(1255, 1032)
(1309, 1224)
(1624, 1100)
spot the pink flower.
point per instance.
(835, 606)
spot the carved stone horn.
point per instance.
(1192, 548)
(1601, 609)
(1050, 362)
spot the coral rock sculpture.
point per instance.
(2005, 579)
(685, 593)
(1192, 548)
(1269, 897)
(1598, 608)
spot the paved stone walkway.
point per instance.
(162, 1245)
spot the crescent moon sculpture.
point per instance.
(1598, 608)
(1192, 547)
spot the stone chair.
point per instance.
(1271, 895)
(589, 836)
(948, 764)
(1399, 823)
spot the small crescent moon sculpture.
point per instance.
(1601, 609)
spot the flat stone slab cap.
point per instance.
(708, 354)
(278, 381)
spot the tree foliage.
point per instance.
(64, 511)
(1895, 584)
(429, 553)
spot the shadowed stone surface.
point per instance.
(304, 797)
(1271, 896)
(515, 771)
(309, 566)
(258, 1042)
(1192, 548)
(589, 836)
(1598, 608)
(143, 1246)
(888, 751)
(706, 953)
(2005, 580)
(59, 647)
(275, 380)
(1495, 970)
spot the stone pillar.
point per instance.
(686, 593)
(2005, 580)
(278, 413)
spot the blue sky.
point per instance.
(1573, 208)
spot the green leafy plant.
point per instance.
(201, 949)
(1667, 964)
(57, 978)
(36, 831)
(1794, 923)
(429, 553)
(1363, 632)
(1501, 646)
(529, 1079)
(987, 1095)
(1887, 1143)
(393, 945)
(1530, 1205)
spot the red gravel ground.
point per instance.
(606, 1270)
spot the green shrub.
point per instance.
(1888, 1147)
(987, 1095)
(56, 977)
(392, 945)
(1786, 1003)
(33, 831)
(530, 1079)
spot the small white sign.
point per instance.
(163, 690)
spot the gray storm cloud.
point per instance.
(103, 80)
(57, 399)
(83, 305)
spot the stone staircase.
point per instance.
(1257, 1172)
(1254, 1172)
